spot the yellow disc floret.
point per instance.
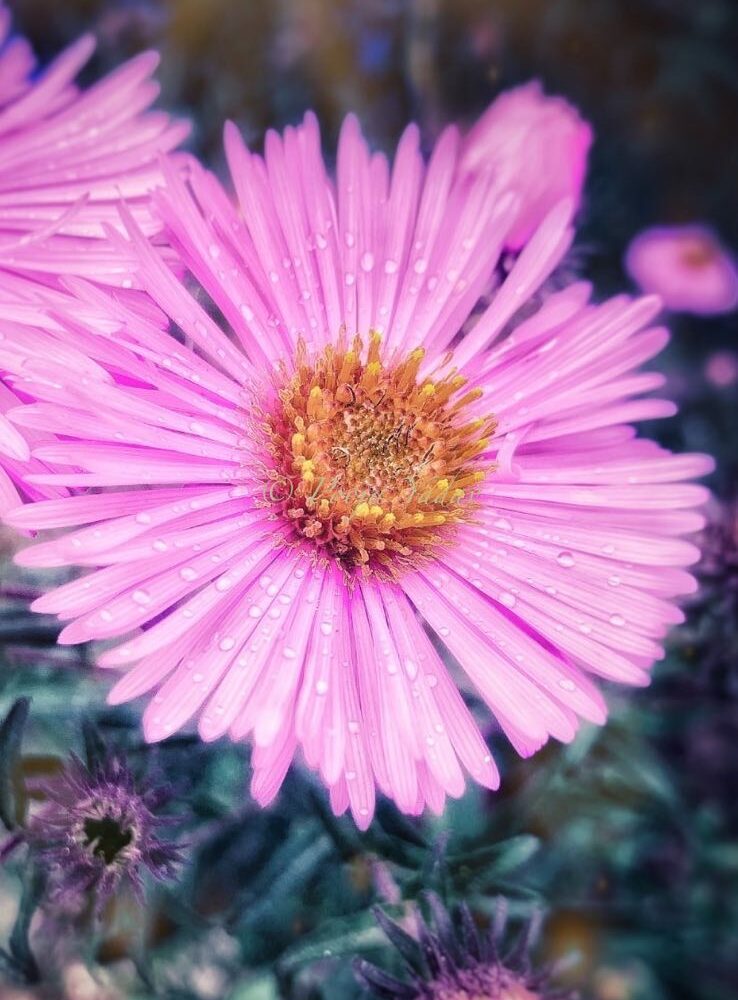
(371, 463)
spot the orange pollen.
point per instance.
(371, 463)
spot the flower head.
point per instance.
(100, 829)
(537, 144)
(451, 959)
(289, 512)
(687, 266)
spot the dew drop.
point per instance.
(565, 559)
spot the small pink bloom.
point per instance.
(721, 368)
(687, 266)
(312, 482)
(537, 146)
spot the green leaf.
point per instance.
(11, 735)
(256, 988)
(19, 946)
(95, 750)
(500, 858)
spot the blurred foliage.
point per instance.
(628, 837)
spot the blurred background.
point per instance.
(629, 837)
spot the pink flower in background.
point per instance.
(292, 509)
(68, 155)
(66, 158)
(687, 266)
(721, 369)
(536, 144)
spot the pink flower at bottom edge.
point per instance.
(292, 510)
(687, 267)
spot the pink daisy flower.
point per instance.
(687, 266)
(67, 156)
(326, 476)
(539, 145)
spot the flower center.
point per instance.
(488, 984)
(106, 837)
(698, 252)
(371, 463)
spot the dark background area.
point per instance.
(629, 837)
